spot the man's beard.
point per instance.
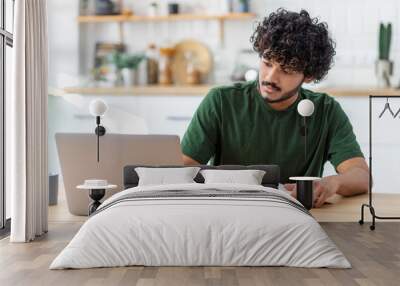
(284, 96)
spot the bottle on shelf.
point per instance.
(165, 65)
(152, 9)
(152, 64)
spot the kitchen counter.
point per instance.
(142, 90)
(201, 90)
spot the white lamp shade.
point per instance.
(250, 75)
(305, 107)
(97, 107)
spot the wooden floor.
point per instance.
(374, 255)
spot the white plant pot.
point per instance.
(383, 71)
(131, 77)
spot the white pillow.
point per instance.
(248, 177)
(164, 176)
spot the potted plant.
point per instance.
(384, 67)
(126, 67)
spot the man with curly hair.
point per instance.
(258, 123)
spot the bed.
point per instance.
(201, 224)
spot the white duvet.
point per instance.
(200, 231)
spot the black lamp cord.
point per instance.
(98, 136)
(305, 138)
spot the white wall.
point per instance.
(353, 24)
(354, 27)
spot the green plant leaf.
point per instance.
(381, 39)
(389, 39)
(130, 61)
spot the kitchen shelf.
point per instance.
(120, 19)
(178, 17)
(202, 90)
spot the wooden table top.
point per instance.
(348, 209)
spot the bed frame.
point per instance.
(270, 179)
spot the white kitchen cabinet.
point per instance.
(167, 114)
(160, 114)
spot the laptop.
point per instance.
(77, 153)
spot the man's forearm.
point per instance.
(354, 181)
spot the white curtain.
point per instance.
(27, 135)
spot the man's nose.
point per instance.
(272, 75)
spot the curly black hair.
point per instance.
(296, 41)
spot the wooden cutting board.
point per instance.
(200, 55)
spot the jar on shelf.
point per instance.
(152, 64)
(165, 65)
(192, 73)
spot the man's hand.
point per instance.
(322, 189)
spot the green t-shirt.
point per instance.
(235, 125)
